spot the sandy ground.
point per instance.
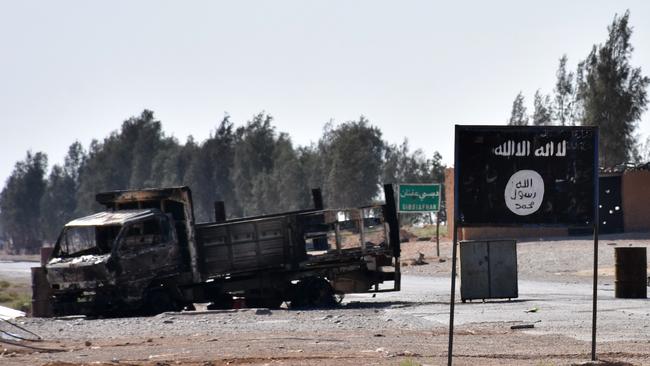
(405, 328)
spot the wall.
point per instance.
(635, 193)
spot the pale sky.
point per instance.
(77, 69)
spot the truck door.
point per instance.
(148, 249)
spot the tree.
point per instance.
(253, 155)
(352, 158)
(613, 94)
(122, 161)
(543, 112)
(209, 172)
(518, 115)
(564, 95)
(59, 202)
(400, 165)
(20, 203)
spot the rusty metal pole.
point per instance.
(453, 253)
(452, 301)
(596, 222)
(438, 234)
(595, 294)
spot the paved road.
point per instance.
(16, 270)
(561, 308)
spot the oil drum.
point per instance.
(631, 273)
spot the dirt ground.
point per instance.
(405, 328)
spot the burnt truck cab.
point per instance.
(115, 260)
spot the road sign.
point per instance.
(418, 197)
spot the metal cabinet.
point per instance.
(488, 269)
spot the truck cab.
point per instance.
(116, 260)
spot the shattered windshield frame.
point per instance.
(82, 240)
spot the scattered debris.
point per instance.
(9, 313)
(534, 309)
(71, 317)
(419, 260)
(522, 326)
(262, 311)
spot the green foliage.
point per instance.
(20, 208)
(543, 112)
(518, 114)
(613, 94)
(59, 200)
(123, 160)
(15, 296)
(351, 157)
(409, 362)
(564, 98)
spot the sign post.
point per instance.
(525, 175)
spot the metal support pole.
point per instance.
(596, 214)
(453, 296)
(595, 294)
(438, 234)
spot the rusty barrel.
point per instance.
(41, 307)
(631, 273)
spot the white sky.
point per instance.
(76, 69)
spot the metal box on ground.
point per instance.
(488, 269)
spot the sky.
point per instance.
(75, 70)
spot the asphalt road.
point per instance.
(16, 270)
(552, 307)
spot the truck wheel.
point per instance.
(271, 301)
(313, 292)
(158, 301)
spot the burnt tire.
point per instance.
(313, 293)
(271, 301)
(159, 301)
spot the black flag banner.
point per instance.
(531, 175)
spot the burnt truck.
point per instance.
(145, 254)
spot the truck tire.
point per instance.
(313, 292)
(159, 301)
(271, 301)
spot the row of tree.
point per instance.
(253, 168)
(605, 91)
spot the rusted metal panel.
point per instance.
(111, 218)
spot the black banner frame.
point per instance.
(456, 226)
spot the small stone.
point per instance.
(88, 344)
(168, 321)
